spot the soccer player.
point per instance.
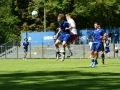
(98, 34)
(73, 32)
(25, 47)
(102, 47)
(107, 48)
(64, 35)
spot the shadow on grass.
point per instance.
(59, 80)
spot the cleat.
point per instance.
(71, 54)
(103, 63)
(93, 65)
(57, 56)
(96, 62)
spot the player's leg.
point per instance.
(97, 46)
(103, 56)
(65, 40)
(108, 54)
(102, 53)
(71, 39)
(117, 54)
(25, 54)
(92, 54)
(92, 57)
(96, 61)
(69, 49)
(63, 50)
(57, 48)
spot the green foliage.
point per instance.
(104, 11)
(7, 21)
(16, 15)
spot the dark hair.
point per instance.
(26, 39)
(97, 23)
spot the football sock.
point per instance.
(24, 57)
(96, 62)
(92, 60)
(103, 56)
(57, 51)
(63, 53)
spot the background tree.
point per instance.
(15, 15)
(8, 28)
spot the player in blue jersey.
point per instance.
(25, 47)
(107, 48)
(98, 35)
(64, 35)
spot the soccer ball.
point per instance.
(34, 13)
(35, 53)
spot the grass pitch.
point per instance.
(49, 74)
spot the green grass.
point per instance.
(49, 74)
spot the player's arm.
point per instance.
(59, 30)
(28, 43)
(68, 28)
(23, 45)
(104, 35)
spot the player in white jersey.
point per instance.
(73, 32)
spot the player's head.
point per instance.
(96, 25)
(26, 39)
(68, 16)
(60, 17)
(108, 40)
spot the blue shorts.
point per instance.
(64, 38)
(25, 50)
(95, 46)
(107, 50)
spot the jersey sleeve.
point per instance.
(72, 23)
(67, 24)
(103, 32)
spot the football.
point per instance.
(34, 13)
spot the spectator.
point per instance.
(116, 51)
(90, 45)
(116, 37)
(109, 36)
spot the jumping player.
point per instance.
(64, 35)
(98, 34)
(73, 32)
(25, 47)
